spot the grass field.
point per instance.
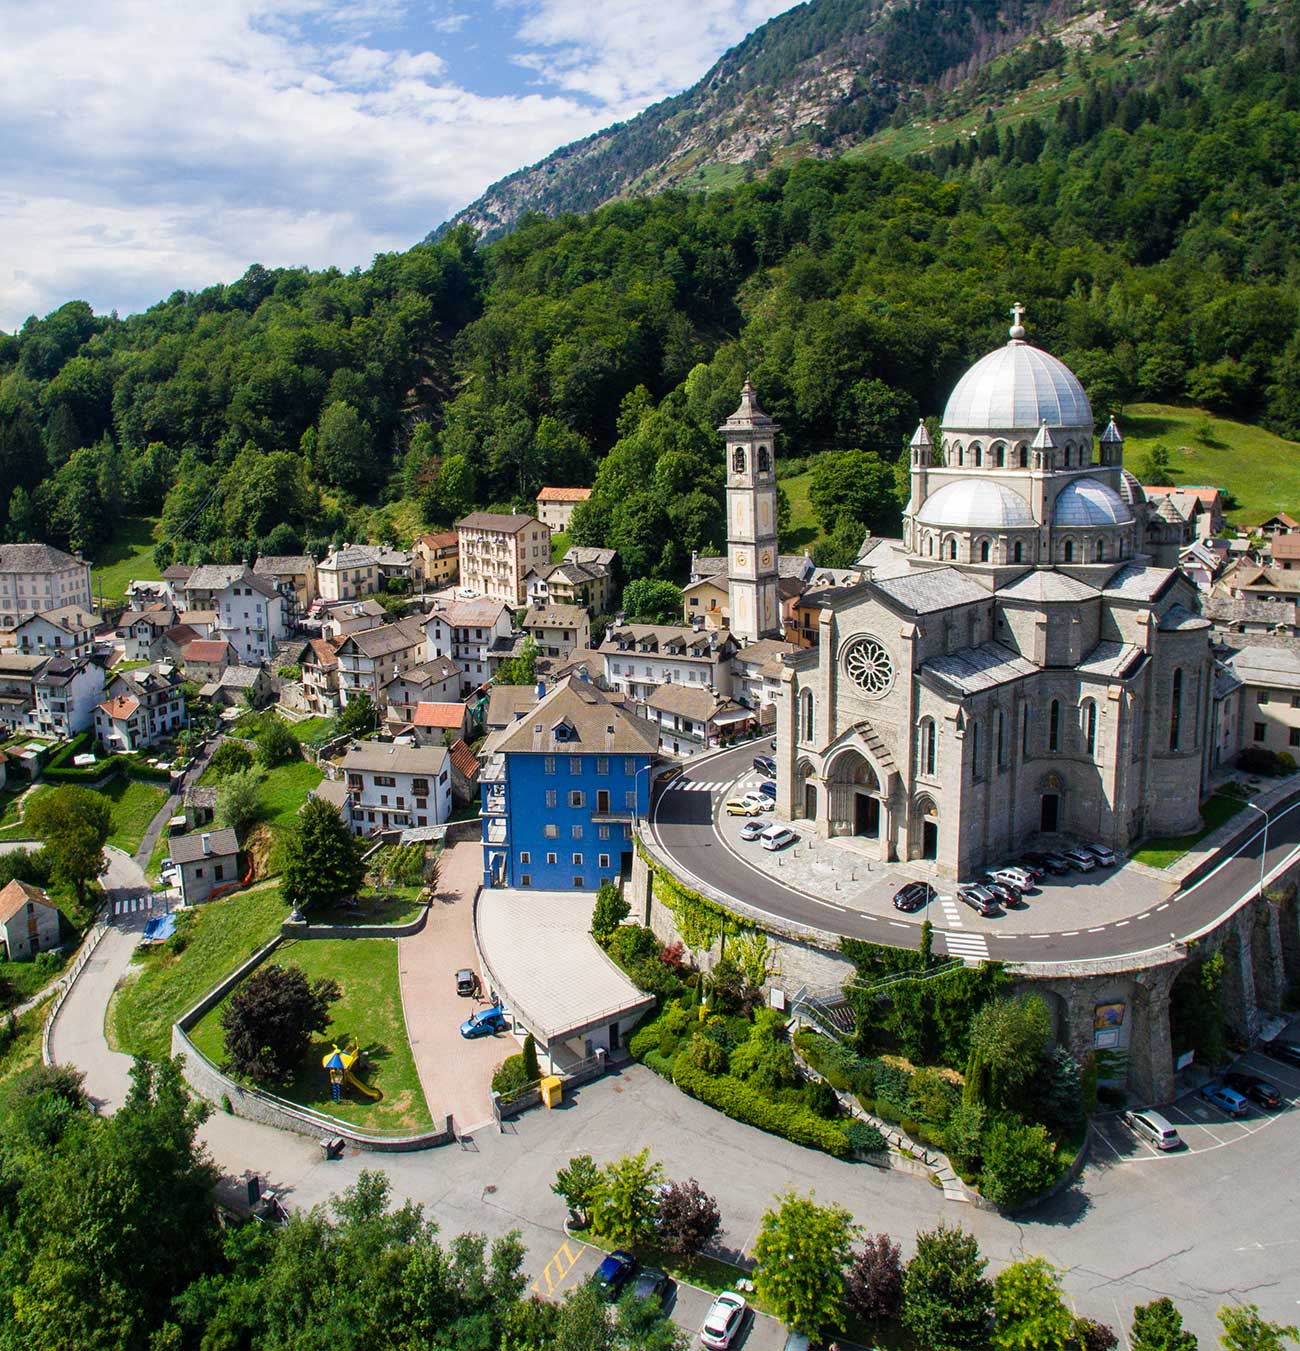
(803, 531)
(285, 789)
(10, 827)
(559, 545)
(20, 1049)
(1164, 850)
(164, 982)
(20, 981)
(371, 1011)
(134, 805)
(1260, 470)
(128, 557)
(314, 731)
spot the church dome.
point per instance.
(1089, 502)
(1130, 489)
(1017, 388)
(976, 504)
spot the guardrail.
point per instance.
(88, 946)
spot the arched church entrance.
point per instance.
(854, 796)
(805, 792)
(925, 817)
(1049, 810)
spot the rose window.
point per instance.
(869, 667)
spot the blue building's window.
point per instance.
(552, 832)
(549, 764)
(577, 832)
(604, 863)
(603, 832)
(602, 764)
(552, 797)
(629, 765)
(575, 799)
(525, 880)
(525, 858)
(578, 884)
(577, 860)
(629, 800)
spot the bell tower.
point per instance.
(752, 568)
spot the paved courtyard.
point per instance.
(455, 1073)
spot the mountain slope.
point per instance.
(824, 76)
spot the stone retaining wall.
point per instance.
(308, 931)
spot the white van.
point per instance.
(1153, 1128)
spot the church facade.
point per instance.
(1015, 668)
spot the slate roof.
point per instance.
(385, 639)
(589, 556)
(678, 641)
(432, 672)
(68, 618)
(694, 702)
(1139, 581)
(975, 669)
(1115, 661)
(1267, 666)
(593, 724)
(213, 576)
(1043, 586)
(36, 558)
(469, 614)
(383, 757)
(555, 617)
(222, 843)
(1179, 619)
(927, 590)
(496, 520)
(507, 702)
(283, 565)
(715, 565)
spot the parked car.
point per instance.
(765, 766)
(484, 1023)
(914, 896)
(1052, 861)
(778, 837)
(1153, 1128)
(768, 789)
(467, 982)
(1287, 1051)
(725, 1318)
(1259, 1091)
(1020, 878)
(1002, 891)
(1106, 858)
(765, 803)
(1226, 1099)
(613, 1274)
(1080, 860)
(751, 830)
(1031, 869)
(651, 1283)
(980, 899)
(742, 806)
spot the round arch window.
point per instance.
(868, 665)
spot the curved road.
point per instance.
(685, 824)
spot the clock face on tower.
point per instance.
(765, 558)
(741, 558)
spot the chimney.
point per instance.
(541, 690)
(206, 841)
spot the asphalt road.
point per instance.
(685, 825)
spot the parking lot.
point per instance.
(575, 1262)
(1203, 1125)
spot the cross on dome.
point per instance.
(1017, 329)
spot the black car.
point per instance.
(1259, 1091)
(1046, 862)
(914, 896)
(1036, 870)
(1004, 892)
(651, 1282)
(613, 1274)
(765, 766)
(1287, 1051)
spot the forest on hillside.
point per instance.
(1152, 229)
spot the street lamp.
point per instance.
(1246, 802)
(650, 764)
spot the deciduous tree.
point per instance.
(239, 799)
(322, 857)
(947, 1299)
(802, 1250)
(74, 824)
(1158, 1326)
(624, 1201)
(688, 1217)
(270, 1018)
(1028, 1310)
(873, 1284)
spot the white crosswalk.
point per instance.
(695, 786)
(968, 946)
(132, 905)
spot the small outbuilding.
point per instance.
(208, 861)
(29, 922)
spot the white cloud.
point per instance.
(156, 144)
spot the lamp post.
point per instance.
(1246, 802)
(650, 764)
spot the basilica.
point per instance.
(1015, 668)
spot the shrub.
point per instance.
(610, 911)
(632, 945)
(705, 1054)
(662, 1065)
(1019, 1162)
(510, 1075)
(864, 1138)
(531, 1067)
(644, 1039)
(820, 1097)
(277, 745)
(229, 758)
(745, 1103)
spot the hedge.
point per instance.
(61, 770)
(662, 1065)
(740, 1101)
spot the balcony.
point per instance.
(494, 771)
(497, 831)
(494, 802)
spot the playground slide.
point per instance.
(356, 1083)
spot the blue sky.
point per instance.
(151, 145)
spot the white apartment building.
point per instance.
(369, 660)
(36, 577)
(205, 583)
(65, 696)
(392, 787)
(250, 612)
(68, 631)
(358, 570)
(466, 631)
(497, 552)
(641, 657)
(756, 675)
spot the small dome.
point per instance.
(1130, 489)
(1017, 388)
(1089, 502)
(976, 504)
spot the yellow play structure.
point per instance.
(339, 1063)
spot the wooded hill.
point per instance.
(1149, 223)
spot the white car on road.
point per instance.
(723, 1321)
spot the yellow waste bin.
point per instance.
(551, 1090)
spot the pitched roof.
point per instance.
(689, 701)
(384, 639)
(1116, 661)
(679, 641)
(931, 589)
(121, 708)
(1285, 548)
(69, 618)
(382, 757)
(324, 651)
(577, 718)
(36, 558)
(496, 520)
(1281, 518)
(206, 650)
(178, 572)
(450, 717)
(713, 565)
(1204, 494)
(189, 848)
(1267, 666)
(213, 576)
(444, 539)
(160, 616)
(282, 565)
(469, 614)
(1046, 585)
(590, 556)
(507, 702)
(763, 651)
(972, 670)
(463, 760)
(555, 617)
(352, 556)
(16, 895)
(1138, 581)
(431, 672)
(564, 494)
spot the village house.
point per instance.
(158, 693)
(205, 583)
(558, 629)
(66, 694)
(641, 657)
(141, 630)
(437, 559)
(430, 723)
(68, 631)
(208, 861)
(320, 677)
(294, 576)
(29, 922)
(392, 787)
(691, 719)
(36, 578)
(251, 616)
(340, 619)
(206, 659)
(433, 681)
(466, 631)
(555, 506)
(368, 660)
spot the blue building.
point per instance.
(563, 786)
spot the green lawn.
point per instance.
(314, 731)
(1165, 850)
(396, 905)
(803, 531)
(371, 1011)
(10, 827)
(19, 981)
(285, 789)
(134, 805)
(129, 557)
(20, 1048)
(165, 981)
(559, 545)
(1260, 470)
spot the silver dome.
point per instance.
(1089, 502)
(976, 504)
(1130, 489)
(1017, 388)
